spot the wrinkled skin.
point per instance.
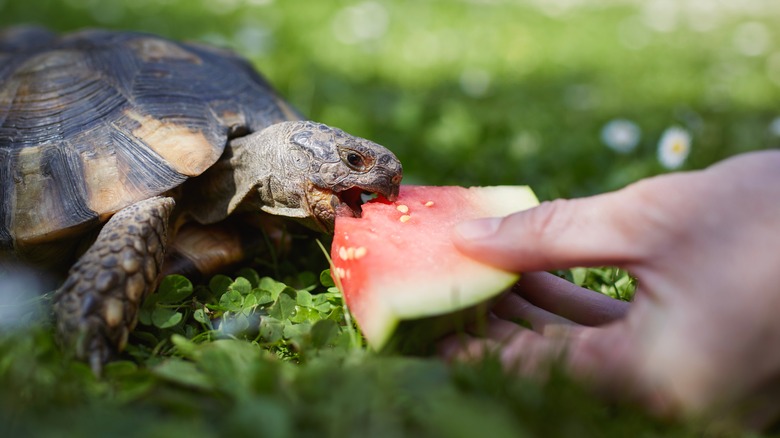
(701, 337)
(302, 170)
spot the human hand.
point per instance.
(703, 333)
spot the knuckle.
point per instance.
(647, 191)
(656, 200)
(549, 218)
(540, 231)
(658, 216)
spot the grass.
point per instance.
(466, 93)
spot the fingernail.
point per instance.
(478, 228)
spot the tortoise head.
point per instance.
(314, 172)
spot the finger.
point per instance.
(568, 300)
(514, 307)
(605, 359)
(497, 329)
(530, 354)
(463, 347)
(610, 361)
(607, 229)
(522, 353)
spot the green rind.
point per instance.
(493, 283)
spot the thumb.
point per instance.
(600, 230)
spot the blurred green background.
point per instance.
(570, 96)
(493, 91)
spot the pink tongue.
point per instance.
(350, 206)
(343, 210)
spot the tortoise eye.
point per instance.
(355, 160)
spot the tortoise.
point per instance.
(125, 156)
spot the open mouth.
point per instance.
(350, 201)
(325, 205)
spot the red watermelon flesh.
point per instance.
(397, 262)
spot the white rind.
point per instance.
(505, 200)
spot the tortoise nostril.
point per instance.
(397, 179)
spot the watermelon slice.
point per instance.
(397, 261)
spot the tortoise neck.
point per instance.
(252, 174)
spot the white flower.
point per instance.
(674, 147)
(621, 135)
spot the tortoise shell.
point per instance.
(94, 121)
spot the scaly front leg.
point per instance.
(97, 306)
